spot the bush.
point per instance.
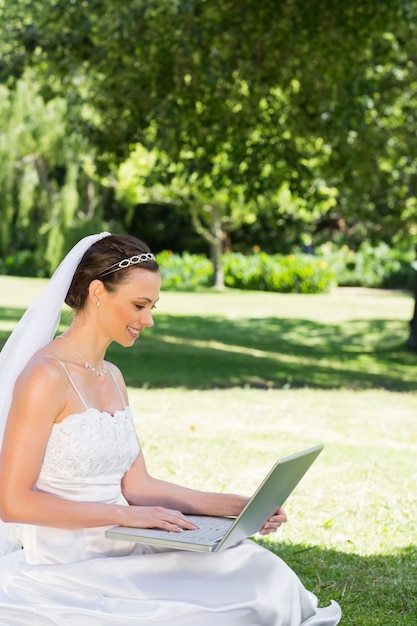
(259, 272)
(379, 266)
(184, 272)
(24, 263)
(300, 273)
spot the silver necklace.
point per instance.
(86, 363)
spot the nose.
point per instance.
(147, 318)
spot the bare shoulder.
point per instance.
(43, 372)
(40, 392)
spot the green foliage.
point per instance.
(46, 195)
(24, 263)
(279, 116)
(371, 266)
(304, 110)
(184, 272)
(260, 272)
(300, 273)
(214, 199)
(33, 156)
(332, 266)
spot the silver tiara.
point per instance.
(134, 260)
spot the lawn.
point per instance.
(226, 382)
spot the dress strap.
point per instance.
(118, 386)
(72, 382)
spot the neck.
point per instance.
(94, 363)
(89, 341)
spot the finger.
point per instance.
(271, 525)
(282, 514)
(176, 522)
(183, 521)
(186, 524)
(278, 517)
(267, 531)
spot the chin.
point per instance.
(128, 342)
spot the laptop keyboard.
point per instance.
(210, 528)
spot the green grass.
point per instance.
(225, 383)
(275, 340)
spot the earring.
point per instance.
(98, 303)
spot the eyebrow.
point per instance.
(146, 298)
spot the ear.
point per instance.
(96, 290)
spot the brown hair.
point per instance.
(100, 257)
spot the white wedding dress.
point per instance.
(78, 577)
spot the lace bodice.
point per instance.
(91, 444)
(85, 460)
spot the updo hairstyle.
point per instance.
(106, 252)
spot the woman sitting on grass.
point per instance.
(71, 466)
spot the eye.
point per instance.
(140, 307)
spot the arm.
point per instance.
(140, 488)
(39, 399)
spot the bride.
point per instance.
(71, 466)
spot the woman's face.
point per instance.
(126, 312)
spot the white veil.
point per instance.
(36, 328)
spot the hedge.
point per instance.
(330, 266)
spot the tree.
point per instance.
(43, 180)
(197, 72)
(215, 203)
(299, 96)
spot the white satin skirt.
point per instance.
(243, 586)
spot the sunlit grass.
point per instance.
(352, 530)
(370, 441)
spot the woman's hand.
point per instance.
(156, 517)
(274, 522)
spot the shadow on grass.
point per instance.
(10, 315)
(376, 590)
(196, 352)
(202, 353)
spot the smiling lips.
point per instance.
(133, 332)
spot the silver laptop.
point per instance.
(218, 533)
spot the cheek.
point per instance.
(118, 314)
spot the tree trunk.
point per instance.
(216, 249)
(412, 338)
(215, 236)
